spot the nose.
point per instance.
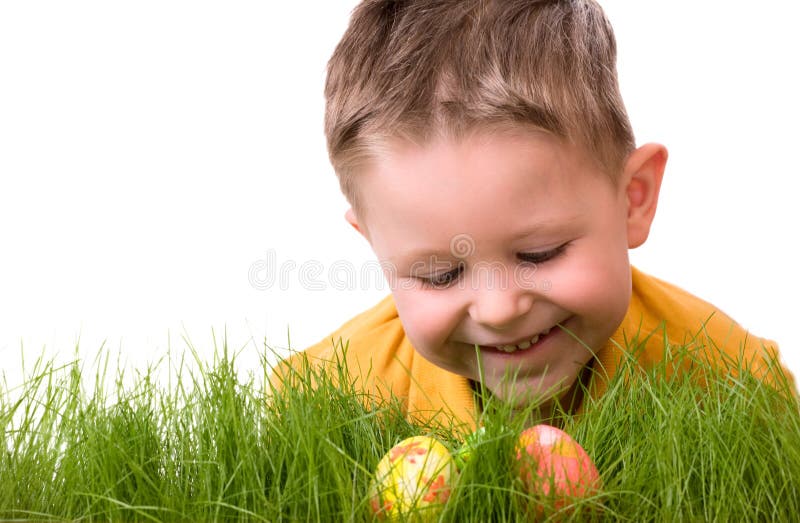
(498, 306)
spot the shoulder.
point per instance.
(666, 310)
(372, 346)
(663, 300)
(377, 329)
(659, 302)
(662, 316)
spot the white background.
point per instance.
(151, 152)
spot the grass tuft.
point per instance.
(698, 445)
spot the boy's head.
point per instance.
(488, 159)
(415, 69)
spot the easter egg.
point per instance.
(413, 478)
(553, 464)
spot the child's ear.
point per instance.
(350, 216)
(642, 176)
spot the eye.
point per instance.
(441, 281)
(541, 257)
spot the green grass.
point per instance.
(211, 446)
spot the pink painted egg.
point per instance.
(552, 463)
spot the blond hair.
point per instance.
(417, 68)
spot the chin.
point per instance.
(522, 395)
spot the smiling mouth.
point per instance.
(521, 346)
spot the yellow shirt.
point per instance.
(381, 359)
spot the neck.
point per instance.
(567, 403)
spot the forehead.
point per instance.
(488, 147)
(489, 185)
(478, 160)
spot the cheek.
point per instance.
(597, 284)
(428, 317)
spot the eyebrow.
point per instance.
(545, 227)
(421, 253)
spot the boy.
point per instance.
(488, 159)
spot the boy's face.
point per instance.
(527, 243)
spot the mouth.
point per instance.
(524, 345)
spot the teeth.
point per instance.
(524, 345)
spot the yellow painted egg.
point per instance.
(413, 479)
